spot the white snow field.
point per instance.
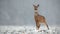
(27, 30)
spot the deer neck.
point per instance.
(36, 13)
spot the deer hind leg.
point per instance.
(46, 25)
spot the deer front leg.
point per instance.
(37, 26)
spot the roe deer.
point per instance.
(39, 18)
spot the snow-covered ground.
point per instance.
(27, 30)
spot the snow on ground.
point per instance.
(27, 30)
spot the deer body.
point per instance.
(39, 18)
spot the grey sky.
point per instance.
(20, 12)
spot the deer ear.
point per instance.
(33, 5)
(38, 5)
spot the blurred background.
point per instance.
(21, 12)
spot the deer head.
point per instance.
(36, 7)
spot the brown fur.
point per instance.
(39, 18)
